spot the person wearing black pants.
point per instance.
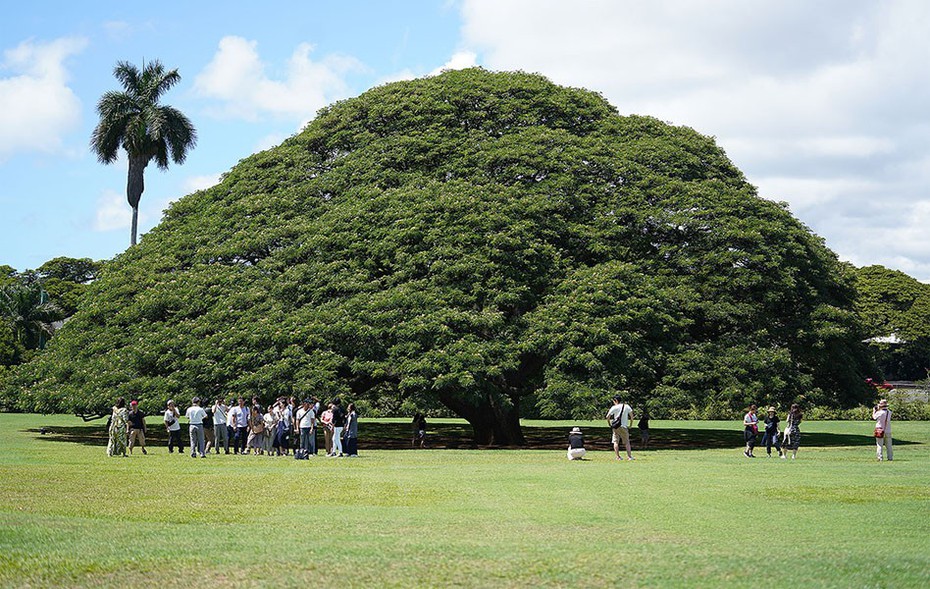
(239, 416)
(770, 437)
(351, 432)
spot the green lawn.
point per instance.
(695, 514)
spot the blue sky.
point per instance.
(822, 105)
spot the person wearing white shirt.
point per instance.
(882, 416)
(220, 418)
(239, 419)
(195, 416)
(618, 418)
(174, 428)
(306, 420)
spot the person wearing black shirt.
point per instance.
(136, 427)
(576, 449)
(770, 436)
(339, 422)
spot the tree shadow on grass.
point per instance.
(398, 436)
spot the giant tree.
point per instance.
(489, 242)
(134, 120)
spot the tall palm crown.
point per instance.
(133, 119)
(27, 315)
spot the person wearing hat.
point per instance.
(770, 436)
(172, 415)
(882, 416)
(196, 416)
(136, 426)
(576, 449)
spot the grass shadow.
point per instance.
(397, 436)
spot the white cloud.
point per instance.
(269, 141)
(195, 183)
(459, 61)
(237, 77)
(822, 105)
(37, 107)
(113, 212)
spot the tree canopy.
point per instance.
(488, 242)
(134, 120)
(891, 302)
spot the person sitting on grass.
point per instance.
(576, 449)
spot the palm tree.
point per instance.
(27, 313)
(134, 120)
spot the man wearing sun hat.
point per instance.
(882, 416)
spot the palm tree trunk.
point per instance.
(135, 186)
(135, 225)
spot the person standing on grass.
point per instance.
(882, 416)
(208, 430)
(271, 421)
(306, 422)
(618, 418)
(576, 449)
(770, 437)
(643, 427)
(239, 418)
(136, 426)
(220, 430)
(255, 443)
(351, 432)
(792, 437)
(315, 407)
(339, 423)
(172, 415)
(195, 417)
(326, 419)
(750, 429)
(119, 420)
(283, 425)
(419, 430)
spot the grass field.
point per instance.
(694, 513)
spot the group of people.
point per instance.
(248, 428)
(619, 417)
(787, 439)
(286, 425)
(783, 440)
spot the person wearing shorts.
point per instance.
(136, 427)
(618, 418)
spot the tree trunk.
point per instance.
(135, 225)
(135, 186)
(493, 423)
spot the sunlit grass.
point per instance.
(417, 518)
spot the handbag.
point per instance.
(879, 432)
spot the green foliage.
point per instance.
(25, 315)
(134, 121)
(891, 302)
(490, 243)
